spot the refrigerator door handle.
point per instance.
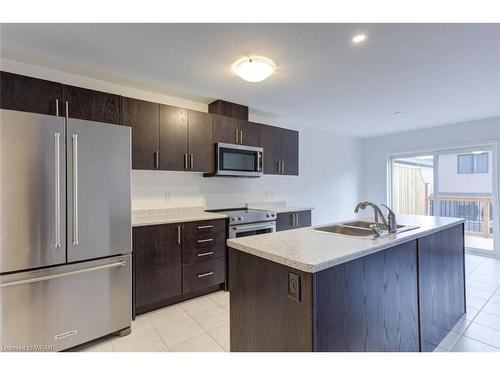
(75, 189)
(64, 274)
(57, 189)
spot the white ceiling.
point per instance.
(435, 73)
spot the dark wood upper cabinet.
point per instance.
(281, 150)
(92, 105)
(173, 138)
(221, 107)
(289, 152)
(249, 135)
(200, 143)
(225, 129)
(28, 94)
(144, 119)
(231, 130)
(158, 265)
(270, 141)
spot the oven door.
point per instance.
(251, 229)
(237, 160)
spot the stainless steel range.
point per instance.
(247, 222)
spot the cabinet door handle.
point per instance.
(57, 107)
(156, 161)
(241, 137)
(293, 220)
(297, 219)
(205, 254)
(205, 274)
(205, 226)
(185, 162)
(207, 240)
(67, 112)
(237, 135)
(283, 167)
(179, 234)
(191, 160)
(279, 167)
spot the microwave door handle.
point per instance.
(259, 161)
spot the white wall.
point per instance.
(376, 150)
(330, 165)
(452, 182)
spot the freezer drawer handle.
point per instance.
(75, 189)
(65, 274)
(207, 240)
(57, 189)
(205, 274)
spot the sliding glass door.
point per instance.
(451, 183)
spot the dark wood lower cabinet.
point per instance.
(441, 284)
(158, 265)
(405, 298)
(293, 220)
(175, 262)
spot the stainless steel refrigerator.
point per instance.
(65, 231)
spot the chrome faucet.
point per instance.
(390, 223)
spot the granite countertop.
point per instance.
(311, 251)
(172, 215)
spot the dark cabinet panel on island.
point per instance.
(441, 284)
(143, 117)
(28, 94)
(92, 105)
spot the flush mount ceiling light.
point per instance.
(359, 38)
(254, 69)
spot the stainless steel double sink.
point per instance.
(360, 229)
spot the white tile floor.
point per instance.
(197, 325)
(479, 329)
(202, 324)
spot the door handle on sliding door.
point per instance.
(75, 189)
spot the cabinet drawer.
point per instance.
(203, 274)
(204, 227)
(200, 255)
(199, 241)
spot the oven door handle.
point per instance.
(254, 226)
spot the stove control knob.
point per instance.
(234, 218)
(240, 218)
(268, 215)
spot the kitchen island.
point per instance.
(307, 290)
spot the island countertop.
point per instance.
(311, 251)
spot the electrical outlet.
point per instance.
(294, 286)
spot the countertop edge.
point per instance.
(313, 268)
(181, 220)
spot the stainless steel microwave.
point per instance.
(237, 161)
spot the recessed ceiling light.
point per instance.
(359, 38)
(254, 69)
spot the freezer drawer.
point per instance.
(58, 308)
